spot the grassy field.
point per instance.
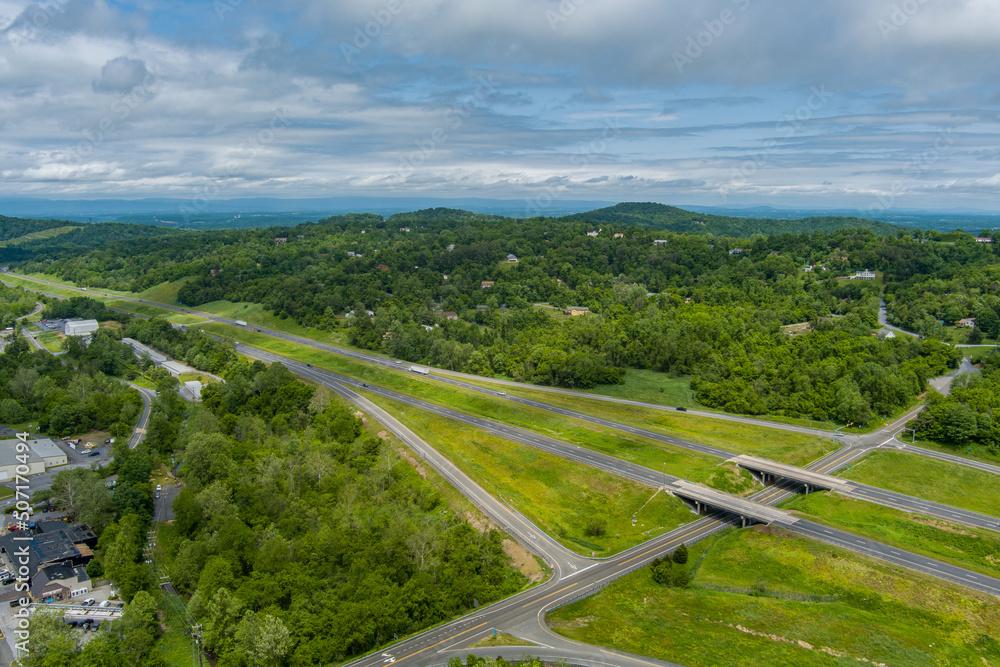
(974, 452)
(978, 353)
(742, 438)
(939, 481)
(255, 314)
(959, 545)
(52, 340)
(561, 497)
(34, 236)
(785, 446)
(766, 597)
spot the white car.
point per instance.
(105, 604)
(159, 488)
(88, 602)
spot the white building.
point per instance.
(864, 275)
(81, 327)
(49, 452)
(192, 390)
(9, 460)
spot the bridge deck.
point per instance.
(729, 503)
(791, 472)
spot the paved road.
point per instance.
(139, 433)
(511, 617)
(885, 323)
(868, 441)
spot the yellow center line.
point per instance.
(679, 537)
(447, 639)
(548, 596)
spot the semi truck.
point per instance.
(420, 369)
(241, 323)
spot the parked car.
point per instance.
(157, 496)
(88, 602)
(7, 580)
(105, 604)
(159, 488)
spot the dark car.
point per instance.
(309, 365)
(682, 409)
(93, 452)
(157, 495)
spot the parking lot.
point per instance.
(76, 613)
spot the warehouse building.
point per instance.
(9, 461)
(80, 327)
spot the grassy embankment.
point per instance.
(766, 597)
(971, 548)
(561, 497)
(650, 453)
(938, 481)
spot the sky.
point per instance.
(865, 104)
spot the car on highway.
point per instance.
(309, 365)
(364, 384)
(682, 409)
(501, 393)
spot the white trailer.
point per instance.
(420, 369)
(241, 323)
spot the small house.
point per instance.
(576, 311)
(486, 283)
(278, 240)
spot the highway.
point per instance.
(524, 614)
(617, 466)
(438, 373)
(864, 443)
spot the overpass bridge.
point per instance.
(768, 471)
(704, 498)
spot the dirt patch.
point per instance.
(364, 419)
(383, 434)
(768, 529)
(409, 459)
(520, 557)
(524, 561)
(581, 622)
(482, 525)
(943, 525)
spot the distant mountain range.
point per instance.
(268, 212)
(659, 216)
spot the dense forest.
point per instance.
(659, 216)
(705, 306)
(300, 536)
(970, 413)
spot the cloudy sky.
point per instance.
(869, 104)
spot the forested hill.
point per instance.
(12, 228)
(659, 216)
